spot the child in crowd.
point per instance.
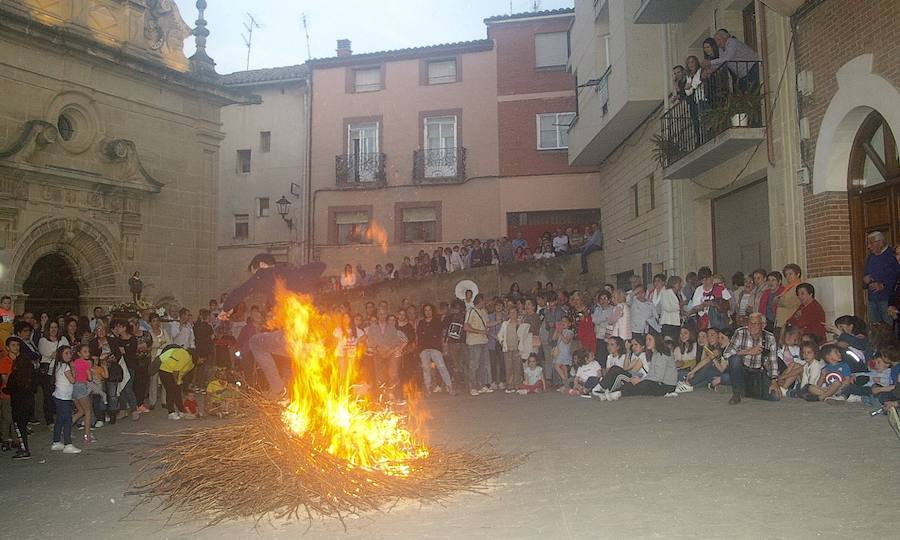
(64, 378)
(587, 375)
(661, 377)
(81, 391)
(220, 395)
(835, 374)
(685, 352)
(812, 369)
(534, 377)
(710, 368)
(191, 409)
(563, 359)
(21, 394)
(869, 383)
(621, 368)
(790, 359)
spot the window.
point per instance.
(352, 227)
(241, 226)
(363, 159)
(65, 127)
(367, 80)
(442, 71)
(553, 130)
(243, 161)
(551, 49)
(651, 183)
(419, 224)
(262, 207)
(440, 157)
(265, 141)
(634, 200)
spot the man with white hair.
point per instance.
(879, 277)
(740, 58)
(752, 348)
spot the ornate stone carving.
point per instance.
(8, 219)
(34, 136)
(164, 29)
(124, 152)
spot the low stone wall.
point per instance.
(564, 272)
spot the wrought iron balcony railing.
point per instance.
(436, 165)
(359, 170)
(731, 97)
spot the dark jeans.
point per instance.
(62, 429)
(112, 397)
(614, 378)
(45, 383)
(584, 255)
(602, 353)
(498, 366)
(173, 392)
(705, 375)
(646, 388)
(141, 382)
(738, 379)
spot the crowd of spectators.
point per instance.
(475, 253)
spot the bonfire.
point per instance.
(328, 452)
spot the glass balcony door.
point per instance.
(440, 147)
(362, 151)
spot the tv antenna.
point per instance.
(536, 5)
(248, 39)
(306, 30)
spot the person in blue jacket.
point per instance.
(879, 277)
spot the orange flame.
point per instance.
(377, 234)
(323, 406)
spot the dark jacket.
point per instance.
(884, 269)
(301, 279)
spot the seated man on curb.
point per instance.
(752, 347)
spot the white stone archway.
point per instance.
(87, 247)
(859, 93)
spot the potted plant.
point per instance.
(738, 108)
(665, 151)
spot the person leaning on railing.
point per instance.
(740, 58)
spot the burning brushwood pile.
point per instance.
(327, 453)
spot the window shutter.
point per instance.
(351, 218)
(551, 49)
(419, 215)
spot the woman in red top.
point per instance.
(809, 316)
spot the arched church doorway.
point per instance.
(51, 286)
(874, 190)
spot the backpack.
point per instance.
(114, 372)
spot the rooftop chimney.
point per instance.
(343, 48)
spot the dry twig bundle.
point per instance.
(255, 467)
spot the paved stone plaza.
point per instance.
(686, 467)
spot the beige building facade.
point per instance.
(263, 161)
(433, 145)
(727, 197)
(109, 141)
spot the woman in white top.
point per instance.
(620, 367)
(160, 338)
(620, 319)
(348, 278)
(48, 345)
(694, 84)
(670, 308)
(64, 377)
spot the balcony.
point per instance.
(360, 171)
(439, 166)
(665, 11)
(619, 66)
(721, 119)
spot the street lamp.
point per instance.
(283, 207)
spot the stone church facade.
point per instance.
(109, 140)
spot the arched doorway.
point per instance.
(51, 286)
(874, 189)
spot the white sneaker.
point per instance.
(510, 390)
(671, 394)
(522, 392)
(473, 392)
(612, 396)
(502, 386)
(174, 416)
(486, 390)
(683, 388)
(57, 446)
(853, 398)
(437, 390)
(98, 423)
(71, 449)
(599, 395)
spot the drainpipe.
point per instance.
(762, 44)
(670, 191)
(306, 190)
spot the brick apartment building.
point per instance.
(436, 144)
(848, 67)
